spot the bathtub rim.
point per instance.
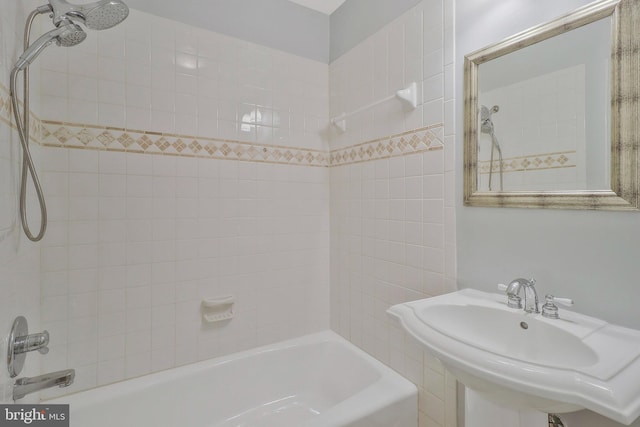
(402, 387)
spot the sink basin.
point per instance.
(506, 332)
(527, 361)
(509, 333)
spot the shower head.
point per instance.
(486, 124)
(485, 113)
(70, 35)
(99, 15)
(67, 34)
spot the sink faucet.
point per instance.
(530, 295)
(24, 386)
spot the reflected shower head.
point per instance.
(100, 15)
(485, 113)
(486, 124)
(67, 34)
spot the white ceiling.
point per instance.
(325, 6)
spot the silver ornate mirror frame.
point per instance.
(625, 112)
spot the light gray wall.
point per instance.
(284, 25)
(356, 20)
(279, 24)
(590, 256)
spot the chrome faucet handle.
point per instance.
(20, 342)
(32, 342)
(513, 300)
(550, 310)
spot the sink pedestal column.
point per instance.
(480, 412)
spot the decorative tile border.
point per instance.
(5, 105)
(75, 135)
(415, 141)
(6, 115)
(541, 161)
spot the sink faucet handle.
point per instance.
(502, 287)
(550, 310)
(567, 302)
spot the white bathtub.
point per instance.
(318, 380)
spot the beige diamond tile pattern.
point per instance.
(85, 136)
(44, 132)
(144, 142)
(211, 148)
(417, 141)
(225, 149)
(162, 144)
(264, 154)
(51, 133)
(62, 134)
(538, 161)
(179, 145)
(113, 139)
(239, 151)
(105, 138)
(34, 127)
(252, 152)
(125, 139)
(195, 147)
(288, 155)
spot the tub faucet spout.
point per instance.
(24, 386)
(530, 295)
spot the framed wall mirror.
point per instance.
(552, 114)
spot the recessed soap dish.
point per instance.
(217, 309)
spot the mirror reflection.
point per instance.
(544, 114)
(551, 114)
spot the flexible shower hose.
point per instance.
(23, 133)
(27, 164)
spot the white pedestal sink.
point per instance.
(527, 361)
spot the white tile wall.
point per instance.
(155, 74)
(393, 220)
(136, 241)
(139, 240)
(19, 258)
